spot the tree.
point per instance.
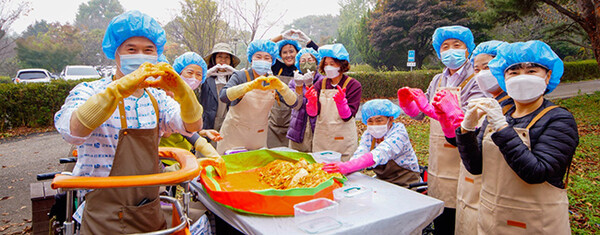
(585, 13)
(397, 26)
(362, 44)
(199, 26)
(320, 28)
(351, 12)
(251, 18)
(52, 50)
(97, 14)
(36, 28)
(10, 11)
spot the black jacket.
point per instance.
(554, 139)
(209, 99)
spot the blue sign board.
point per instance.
(411, 55)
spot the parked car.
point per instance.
(33, 76)
(74, 72)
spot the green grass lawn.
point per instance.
(584, 178)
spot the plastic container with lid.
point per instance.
(327, 156)
(353, 198)
(317, 215)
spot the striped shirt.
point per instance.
(96, 152)
(395, 146)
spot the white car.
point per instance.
(74, 72)
(33, 76)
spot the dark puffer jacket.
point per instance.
(554, 139)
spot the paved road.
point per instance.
(21, 160)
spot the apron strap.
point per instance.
(123, 116)
(155, 105)
(540, 115)
(503, 98)
(346, 82)
(506, 108)
(464, 83)
(247, 76)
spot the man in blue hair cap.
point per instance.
(116, 123)
(385, 147)
(453, 45)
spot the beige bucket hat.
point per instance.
(225, 48)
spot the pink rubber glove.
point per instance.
(449, 113)
(423, 103)
(311, 105)
(342, 103)
(406, 102)
(348, 167)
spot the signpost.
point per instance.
(411, 59)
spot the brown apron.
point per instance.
(444, 159)
(467, 194)
(116, 210)
(509, 205)
(246, 123)
(331, 132)
(306, 145)
(395, 174)
(279, 120)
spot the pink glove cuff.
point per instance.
(411, 109)
(311, 108)
(348, 167)
(343, 108)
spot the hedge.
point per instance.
(34, 105)
(581, 70)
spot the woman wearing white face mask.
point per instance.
(385, 147)
(251, 94)
(525, 154)
(192, 69)
(334, 101)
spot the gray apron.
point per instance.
(279, 120)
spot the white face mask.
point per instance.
(192, 82)
(331, 72)
(525, 88)
(486, 81)
(377, 131)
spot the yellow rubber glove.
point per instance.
(238, 91)
(98, 108)
(191, 110)
(217, 162)
(288, 95)
(203, 147)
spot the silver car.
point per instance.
(74, 72)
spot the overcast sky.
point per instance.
(165, 10)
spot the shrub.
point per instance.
(386, 84)
(4, 79)
(33, 104)
(581, 70)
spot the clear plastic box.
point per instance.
(317, 215)
(353, 198)
(327, 156)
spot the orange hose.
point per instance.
(189, 170)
